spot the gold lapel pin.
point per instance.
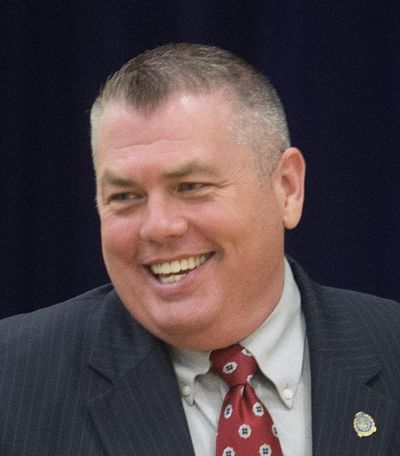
(364, 424)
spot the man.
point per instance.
(196, 184)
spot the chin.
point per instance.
(182, 331)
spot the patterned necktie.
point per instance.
(245, 427)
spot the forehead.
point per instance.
(182, 115)
(185, 128)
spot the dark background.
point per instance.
(335, 64)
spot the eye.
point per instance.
(125, 197)
(191, 186)
(120, 197)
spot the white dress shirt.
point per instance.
(283, 384)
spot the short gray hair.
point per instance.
(147, 80)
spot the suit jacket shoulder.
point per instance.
(22, 336)
(83, 378)
(354, 343)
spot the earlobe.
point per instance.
(290, 180)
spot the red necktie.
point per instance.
(245, 427)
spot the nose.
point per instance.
(162, 220)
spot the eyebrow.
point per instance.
(110, 179)
(188, 168)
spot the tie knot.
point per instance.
(233, 364)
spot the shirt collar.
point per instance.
(188, 364)
(277, 345)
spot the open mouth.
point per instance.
(177, 270)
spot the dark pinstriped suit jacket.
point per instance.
(83, 379)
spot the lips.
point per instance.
(176, 270)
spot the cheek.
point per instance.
(119, 237)
(222, 216)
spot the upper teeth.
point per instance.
(178, 266)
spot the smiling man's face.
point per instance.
(192, 238)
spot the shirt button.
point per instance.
(287, 394)
(186, 390)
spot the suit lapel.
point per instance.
(338, 394)
(345, 375)
(139, 410)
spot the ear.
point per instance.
(288, 184)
